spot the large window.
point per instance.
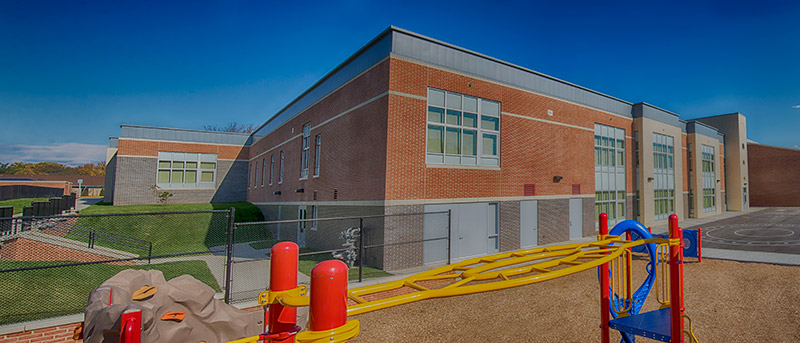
(609, 172)
(709, 179)
(317, 151)
(186, 170)
(280, 169)
(462, 129)
(663, 175)
(304, 152)
(271, 169)
(255, 175)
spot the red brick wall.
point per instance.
(22, 249)
(530, 151)
(773, 175)
(353, 146)
(130, 147)
(61, 333)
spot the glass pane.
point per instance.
(490, 107)
(435, 114)
(453, 141)
(453, 117)
(207, 165)
(436, 97)
(490, 123)
(191, 165)
(207, 176)
(454, 101)
(489, 144)
(620, 195)
(191, 176)
(620, 158)
(621, 143)
(621, 209)
(470, 104)
(470, 143)
(177, 176)
(597, 140)
(163, 176)
(470, 119)
(163, 164)
(435, 139)
(177, 164)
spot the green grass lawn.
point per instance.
(175, 233)
(53, 292)
(308, 262)
(18, 203)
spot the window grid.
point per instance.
(263, 170)
(663, 175)
(462, 129)
(186, 170)
(255, 175)
(305, 151)
(317, 150)
(280, 170)
(709, 179)
(271, 169)
(609, 162)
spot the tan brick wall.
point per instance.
(773, 175)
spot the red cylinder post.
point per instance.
(605, 312)
(328, 295)
(676, 280)
(699, 245)
(283, 277)
(131, 327)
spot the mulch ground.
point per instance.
(727, 302)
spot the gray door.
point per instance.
(575, 218)
(468, 226)
(435, 230)
(528, 223)
(471, 238)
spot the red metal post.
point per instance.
(131, 328)
(328, 295)
(699, 244)
(676, 281)
(283, 277)
(605, 314)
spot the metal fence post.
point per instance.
(449, 235)
(229, 258)
(360, 249)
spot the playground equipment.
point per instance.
(330, 301)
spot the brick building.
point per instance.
(773, 175)
(410, 124)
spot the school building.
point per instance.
(411, 124)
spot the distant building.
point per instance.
(411, 124)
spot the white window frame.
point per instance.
(184, 158)
(452, 102)
(280, 170)
(317, 152)
(271, 169)
(663, 176)
(305, 151)
(314, 214)
(709, 178)
(609, 168)
(255, 175)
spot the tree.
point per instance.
(52, 168)
(231, 127)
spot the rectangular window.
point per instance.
(181, 170)
(462, 129)
(317, 150)
(271, 169)
(304, 152)
(314, 216)
(280, 170)
(263, 170)
(709, 179)
(663, 176)
(255, 175)
(609, 170)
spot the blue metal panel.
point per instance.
(182, 135)
(427, 50)
(654, 324)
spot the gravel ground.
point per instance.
(727, 301)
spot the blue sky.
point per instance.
(72, 71)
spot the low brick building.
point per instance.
(773, 175)
(410, 124)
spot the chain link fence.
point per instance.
(49, 264)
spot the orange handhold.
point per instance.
(174, 316)
(144, 292)
(77, 333)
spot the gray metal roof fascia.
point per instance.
(113, 142)
(716, 115)
(184, 135)
(646, 110)
(305, 99)
(697, 127)
(507, 73)
(721, 137)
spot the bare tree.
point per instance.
(231, 127)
